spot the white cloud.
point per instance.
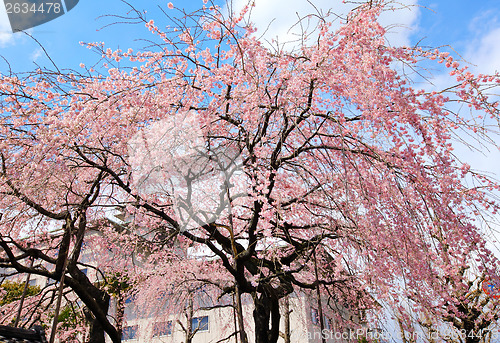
(484, 53)
(481, 52)
(5, 30)
(36, 54)
(279, 18)
(400, 21)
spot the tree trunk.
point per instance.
(320, 305)
(97, 302)
(266, 316)
(189, 317)
(239, 311)
(287, 320)
(96, 332)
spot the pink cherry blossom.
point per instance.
(325, 169)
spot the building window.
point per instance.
(362, 315)
(129, 332)
(199, 323)
(162, 329)
(328, 323)
(314, 316)
(32, 282)
(129, 300)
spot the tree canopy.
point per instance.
(321, 168)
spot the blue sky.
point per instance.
(472, 28)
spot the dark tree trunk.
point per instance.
(96, 332)
(239, 311)
(266, 316)
(286, 306)
(189, 317)
(97, 302)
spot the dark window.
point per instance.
(362, 315)
(328, 323)
(200, 323)
(129, 332)
(32, 282)
(129, 300)
(314, 316)
(162, 329)
(131, 310)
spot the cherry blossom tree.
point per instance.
(32, 214)
(323, 168)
